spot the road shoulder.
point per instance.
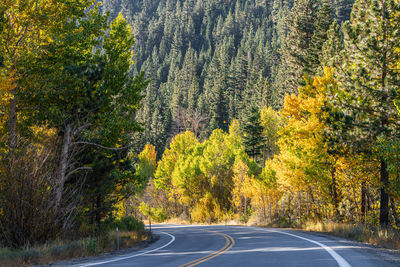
(153, 238)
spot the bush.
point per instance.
(129, 223)
(90, 245)
(30, 255)
(67, 250)
(244, 218)
(159, 214)
(6, 253)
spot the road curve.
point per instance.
(196, 245)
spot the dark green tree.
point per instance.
(88, 95)
(368, 84)
(332, 48)
(253, 138)
(296, 48)
(323, 22)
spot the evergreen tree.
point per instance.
(322, 24)
(332, 48)
(369, 83)
(296, 48)
(253, 137)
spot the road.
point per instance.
(193, 245)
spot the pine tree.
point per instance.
(322, 24)
(332, 48)
(215, 85)
(296, 48)
(369, 82)
(253, 138)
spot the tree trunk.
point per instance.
(384, 207)
(270, 209)
(63, 165)
(363, 202)
(299, 207)
(334, 192)
(12, 122)
(289, 209)
(394, 211)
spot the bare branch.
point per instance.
(76, 170)
(104, 147)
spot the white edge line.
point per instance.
(339, 259)
(133, 256)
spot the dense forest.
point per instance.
(209, 60)
(278, 112)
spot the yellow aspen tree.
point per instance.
(304, 163)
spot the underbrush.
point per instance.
(386, 238)
(131, 233)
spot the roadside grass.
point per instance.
(66, 250)
(386, 238)
(174, 221)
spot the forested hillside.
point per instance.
(210, 60)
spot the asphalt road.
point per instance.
(246, 246)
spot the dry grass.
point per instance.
(176, 221)
(58, 251)
(386, 238)
(186, 222)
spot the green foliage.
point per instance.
(90, 244)
(368, 84)
(322, 25)
(331, 49)
(76, 97)
(147, 164)
(296, 48)
(129, 223)
(156, 214)
(271, 122)
(253, 139)
(210, 60)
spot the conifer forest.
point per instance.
(269, 112)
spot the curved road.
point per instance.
(193, 245)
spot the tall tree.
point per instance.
(369, 82)
(296, 47)
(332, 48)
(253, 138)
(323, 22)
(88, 95)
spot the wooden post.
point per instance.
(117, 239)
(149, 224)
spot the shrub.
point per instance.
(90, 245)
(159, 214)
(30, 255)
(6, 253)
(244, 218)
(128, 223)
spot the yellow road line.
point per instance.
(230, 242)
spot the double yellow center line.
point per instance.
(230, 242)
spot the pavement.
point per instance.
(199, 245)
